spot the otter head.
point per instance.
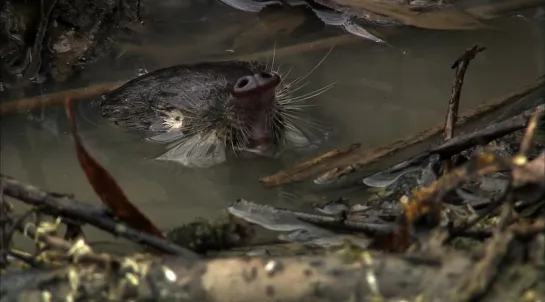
(253, 109)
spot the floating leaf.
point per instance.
(106, 187)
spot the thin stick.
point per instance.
(460, 65)
(324, 157)
(56, 98)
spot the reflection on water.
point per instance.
(382, 93)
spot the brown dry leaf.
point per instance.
(106, 187)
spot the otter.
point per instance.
(203, 109)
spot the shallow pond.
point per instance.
(382, 93)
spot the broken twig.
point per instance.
(460, 65)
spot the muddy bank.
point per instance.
(53, 39)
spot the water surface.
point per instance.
(382, 93)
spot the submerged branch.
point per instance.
(56, 98)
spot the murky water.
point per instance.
(382, 93)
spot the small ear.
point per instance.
(197, 151)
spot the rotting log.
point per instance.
(333, 278)
(349, 274)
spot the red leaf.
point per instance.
(106, 187)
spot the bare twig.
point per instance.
(320, 159)
(79, 249)
(56, 98)
(460, 65)
(58, 205)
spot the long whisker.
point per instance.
(300, 98)
(278, 69)
(299, 107)
(284, 77)
(302, 120)
(274, 55)
(291, 91)
(313, 69)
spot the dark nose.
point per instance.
(245, 84)
(267, 79)
(259, 82)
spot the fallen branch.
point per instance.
(346, 275)
(355, 275)
(64, 206)
(56, 98)
(79, 250)
(364, 157)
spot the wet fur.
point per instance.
(201, 94)
(142, 102)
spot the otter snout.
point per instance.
(254, 106)
(257, 83)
